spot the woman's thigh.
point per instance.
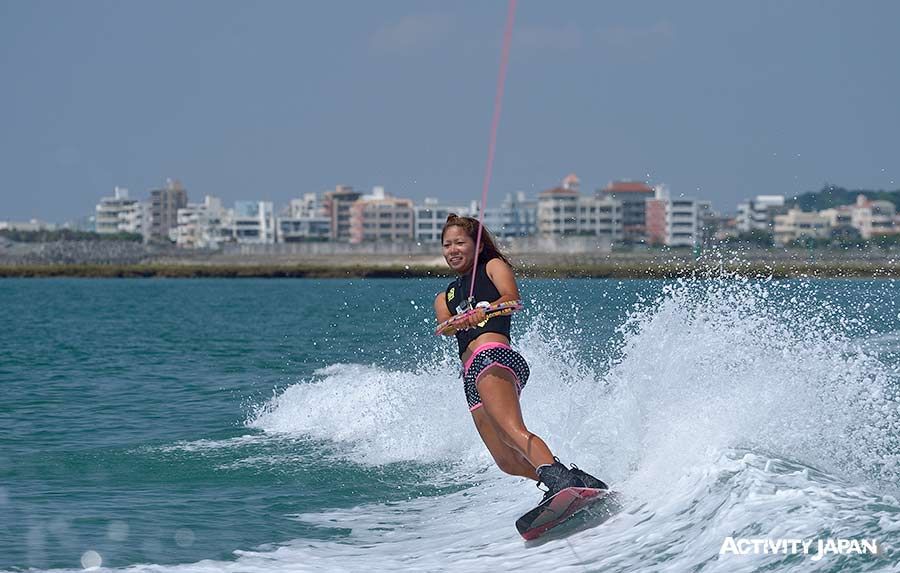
(500, 398)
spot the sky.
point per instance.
(719, 100)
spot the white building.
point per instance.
(121, 214)
(601, 216)
(297, 229)
(515, 217)
(306, 206)
(838, 217)
(203, 226)
(675, 222)
(873, 218)
(561, 213)
(431, 216)
(797, 224)
(31, 225)
(253, 222)
(684, 221)
(558, 212)
(759, 213)
(305, 220)
(136, 220)
(564, 211)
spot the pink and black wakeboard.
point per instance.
(557, 509)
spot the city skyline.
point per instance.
(720, 102)
(625, 213)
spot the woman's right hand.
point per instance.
(464, 321)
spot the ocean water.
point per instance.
(318, 425)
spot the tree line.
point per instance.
(831, 196)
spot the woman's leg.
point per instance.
(500, 401)
(507, 458)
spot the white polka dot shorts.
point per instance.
(492, 354)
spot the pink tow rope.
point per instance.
(495, 123)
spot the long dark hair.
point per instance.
(470, 226)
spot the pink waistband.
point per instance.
(485, 346)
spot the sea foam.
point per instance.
(728, 408)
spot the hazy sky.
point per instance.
(267, 100)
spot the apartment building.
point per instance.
(759, 214)
(657, 211)
(380, 217)
(873, 218)
(633, 196)
(675, 222)
(564, 211)
(121, 214)
(430, 217)
(684, 222)
(557, 211)
(204, 225)
(336, 205)
(300, 229)
(164, 206)
(798, 224)
(839, 217)
(306, 220)
(253, 222)
(515, 217)
(306, 206)
(600, 216)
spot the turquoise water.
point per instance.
(318, 425)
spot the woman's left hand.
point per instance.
(475, 318)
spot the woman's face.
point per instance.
(459, 249)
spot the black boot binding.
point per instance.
(587, 479)
(556, 477)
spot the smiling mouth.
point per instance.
(455, 259)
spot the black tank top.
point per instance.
(458, 290)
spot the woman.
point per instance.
(493, 373)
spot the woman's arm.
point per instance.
(440, 309)
(503, 278)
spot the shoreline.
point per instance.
(609, 270)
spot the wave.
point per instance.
(728, 408)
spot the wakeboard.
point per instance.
(557, 509)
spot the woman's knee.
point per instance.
(515, 436)
(512, 435)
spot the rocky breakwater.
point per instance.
(79, 253)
